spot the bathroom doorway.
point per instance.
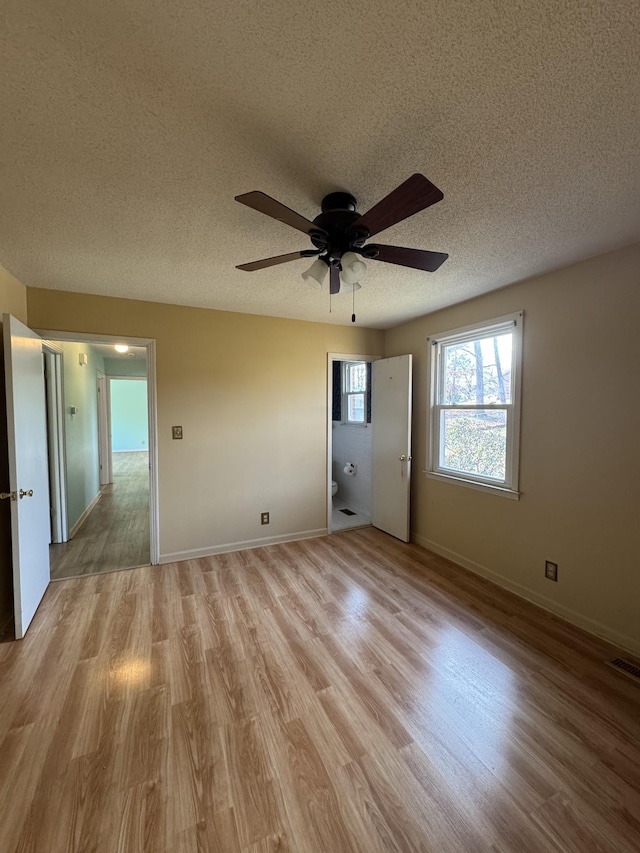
(350, 430)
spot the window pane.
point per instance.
(356, 376)
(477, 372)
(356, 408)
(474, 442)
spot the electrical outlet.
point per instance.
(176, 432)
(551, 570)
(264, 518)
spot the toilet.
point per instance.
(334, 488)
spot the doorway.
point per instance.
(350, 430)
(383, 460)
(28, 457)
(111, 455)
(107, 496)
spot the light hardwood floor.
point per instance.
(115, 535)
(348, 693)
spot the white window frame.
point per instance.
(346, 394)
(509, 486)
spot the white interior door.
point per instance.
(391, 444)
(28, 469)
(104, 432)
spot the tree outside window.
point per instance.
(474, 421)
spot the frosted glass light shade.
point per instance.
(348, 288)
(353, 269)
(316, 273)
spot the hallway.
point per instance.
(116, 533)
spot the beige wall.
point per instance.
(13, 300)
(250, 394)
(580, 447)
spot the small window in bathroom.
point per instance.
(354, 390)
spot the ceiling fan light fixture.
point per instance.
(316, 273)
(348, 288)
(353, 269)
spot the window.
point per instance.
(354, 389)
(475, 405)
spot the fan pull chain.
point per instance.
(353, 306)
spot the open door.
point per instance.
(104, 432)
(391, 445)
(28, 469)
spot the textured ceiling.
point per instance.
(128, 127)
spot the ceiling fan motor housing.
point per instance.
(337, 236)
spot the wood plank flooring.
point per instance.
(347, 693)
(115, 535)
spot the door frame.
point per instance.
(56, 449)
(104, 430)
(150, 345)
(331, 357)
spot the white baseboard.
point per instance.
(212, 550)
(133, 450)
(84, 516)
(592, 626)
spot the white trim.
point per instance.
(104, 430)
(470, 484)
(127, 378)
(150, 344)
(154, 498)
(591, 626)
(84, 516)
(465, 332)
(56, 447)
(212, 550)
(331, 357)
(90, 337)
(133, 450)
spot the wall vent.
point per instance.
(626, 667)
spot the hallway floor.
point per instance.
(116, 533)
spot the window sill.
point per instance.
(479, 487)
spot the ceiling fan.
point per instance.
(340, 230)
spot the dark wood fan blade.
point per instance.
(419, 259)
(265, 204)
(278, 259)
(414, 195)
(334, 281)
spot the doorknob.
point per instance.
(404, 458)
(11, 495)
(24, 494)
